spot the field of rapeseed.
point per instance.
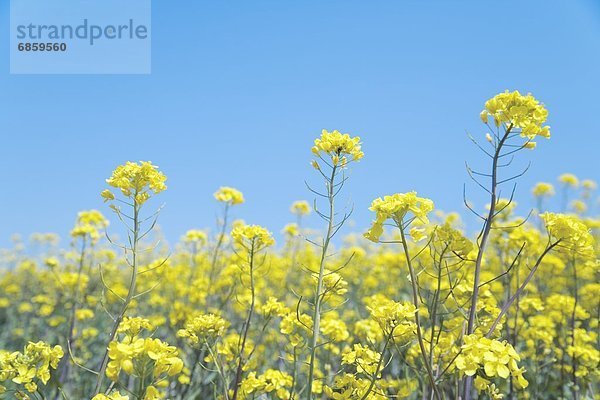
(414, 308)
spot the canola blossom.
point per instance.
(396, 207)
(514, 110)
(418, 306)
(229, 195)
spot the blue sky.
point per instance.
(240, 89)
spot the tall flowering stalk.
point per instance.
(334, 151)
(403, 209)
(229, 197)
(86, 231)
(249, 240)
(514, 117)
(137, 183)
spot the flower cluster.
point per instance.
(569, 180)
(396, 207)
(339, 147)
(296, 327)
(253, 237)
(133, 326)
(88, 225)
(333, 283)
(274, 307)
(490, 356)
(519, 111)
(543, 189)
(33, 364)
(147, 359)
(572, 233)
(300, 207)
(272, 381)
(195, 236)
(138, 181)
(114, 395)
(229, 195)
(203, 327)
(393, 317)
(349, 387)
(363, 358)
(452, 240)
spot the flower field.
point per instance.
(417, 307)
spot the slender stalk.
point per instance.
(293, 385)
(318, 296)
(238, 374)
(197, 360)
(374, 377)
(574, 388)
(434, 315)
(416, 302)
(130, 294)
(519, 291)
(487, 226)
(515, 334)
(215, 356)
(485, 232)
(215, 257)
(66, 369)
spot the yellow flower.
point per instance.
(334, 328)
(522, 112)
(494, 358)
(107, 195)
(300, 207)
(203, 327)
(393, 317)
(152, 393)
(158, 357)
(363, 358)
(333, 283)
(83, 314)
(569, 180)
(543, 189)
(396, 207)
(252, 237)
(273, 307)
(338, 147)
(589, 184)
(579, 206)
(417, 234)
(573, 233)
(291, 230)
(35, 361)
(229, 195)
(133, 326)
(138, 181)
(88, 224)
(195, 236)
(269, 382)
(114, 395)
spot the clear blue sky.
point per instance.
(239, 90)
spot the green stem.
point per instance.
(374, 377)
(487, 226)
(215, 258)
(238, 374)
(130, 294)
(318, 297)
(415, 295)
(66, 370)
